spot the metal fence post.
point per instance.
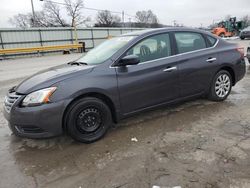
(92, 37)
(1, 40)
(71, 34)
(40, 37)
(108, 32)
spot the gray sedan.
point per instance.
(245, 33)
(124, 75)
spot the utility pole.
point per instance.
(123, 20)
(33, 14)
(175, 23)
(129, 22)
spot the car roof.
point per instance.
(247, 28)
(165, 29)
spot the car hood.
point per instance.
(48, 77)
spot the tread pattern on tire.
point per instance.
(70, 126)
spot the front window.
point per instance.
(152, 48)
(105, 50)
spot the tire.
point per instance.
(222, 35)
(221, 86)
(88, 120)
(242, 38)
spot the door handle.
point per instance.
(170, 69)
(211, 60)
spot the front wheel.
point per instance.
(88, 119)
(221, 86)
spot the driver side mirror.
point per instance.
(129, 60)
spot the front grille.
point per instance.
(10, 100)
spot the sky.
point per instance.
(192, 13)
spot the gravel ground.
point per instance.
(194, 144)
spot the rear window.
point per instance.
(189, 41)
(211, 40)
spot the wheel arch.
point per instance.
(231, 71)
(97, 95)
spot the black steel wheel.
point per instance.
(88, 119)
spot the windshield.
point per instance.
(105, 50)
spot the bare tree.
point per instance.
(74, 10)
(227, 17)
(106, 19)
(21, 20)
(213, 25)
(146, 18)
(52, 16)
(246, 20)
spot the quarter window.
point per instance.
(152, 48)
(211, 40)
(187, 41)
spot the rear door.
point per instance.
(154, 80)
(197, 61)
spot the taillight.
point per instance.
(241, 50)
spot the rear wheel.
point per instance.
(88, 120)
(221, 86)
(242, 38)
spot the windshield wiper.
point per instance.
(77, 63)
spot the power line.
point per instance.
(101, 10)
(88, 8)
(95, 9)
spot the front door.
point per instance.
(154, 80)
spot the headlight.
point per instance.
(38, 97)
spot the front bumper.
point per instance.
(248, 54)
(36, 122)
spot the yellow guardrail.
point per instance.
(41, 49)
